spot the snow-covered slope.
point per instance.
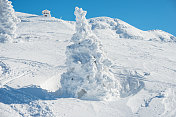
(121, 29)
(30, 70)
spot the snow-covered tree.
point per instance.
(88, 75)
(8, 21)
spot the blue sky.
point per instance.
(143, 14)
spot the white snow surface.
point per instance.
(31, 69)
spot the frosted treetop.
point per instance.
(82, 26)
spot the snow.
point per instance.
(1, 70)
(170, 102)
(8, 21)
(88, 75)
(31, 68)
(121, 29)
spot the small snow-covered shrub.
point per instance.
(88, 75)
(8, 21)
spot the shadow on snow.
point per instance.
(25, 95)
(131, 84)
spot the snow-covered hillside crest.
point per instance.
(8, 21)
(123, 30)
(88, 75)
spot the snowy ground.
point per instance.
(30, 69)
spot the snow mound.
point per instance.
(51, 84)
(121, 29)
(162, 36)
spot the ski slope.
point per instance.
(31, 68)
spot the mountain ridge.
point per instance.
(119, 28)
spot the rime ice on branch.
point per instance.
(88, 75)
(8, 21)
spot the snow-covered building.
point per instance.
(46, 13)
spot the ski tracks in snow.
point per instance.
(24, 102)
(17, 68)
